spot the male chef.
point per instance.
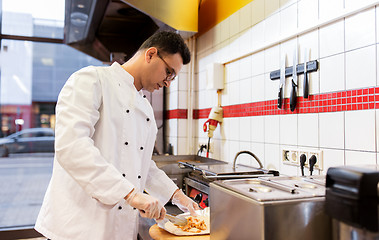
(105, 134)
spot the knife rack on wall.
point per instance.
(311, 67)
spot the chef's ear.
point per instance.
(150, 53)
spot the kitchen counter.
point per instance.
(145, 224)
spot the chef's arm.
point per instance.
(158, 184)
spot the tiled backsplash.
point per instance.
(341, 116)
(351, 100)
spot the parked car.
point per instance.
(28, 141)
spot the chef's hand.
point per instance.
(185, 203)
(148, 206)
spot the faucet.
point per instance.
(250, 153)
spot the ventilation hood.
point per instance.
(114, 29)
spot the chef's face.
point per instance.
(164, 68)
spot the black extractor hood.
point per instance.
(114, 29)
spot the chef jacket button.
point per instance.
(147, 119)
(127, 111)
(139, 176)
(124, 175)
(119, 207)
(141, 148)
(126, 143)
(144, 96)
(134, 208)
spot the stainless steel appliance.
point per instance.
(352, 201)
(196, 182)
(271, 208)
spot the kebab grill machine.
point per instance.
(196, 183)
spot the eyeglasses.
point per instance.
(171, 74)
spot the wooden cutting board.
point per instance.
(158, 233)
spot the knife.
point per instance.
(282, 82)
(306, 84)
(294, 82)
(177, 220)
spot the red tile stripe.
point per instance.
(351, 100)
(176, 114)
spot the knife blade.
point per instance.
(178, 220)
(306, 84)
(293, 95)
(282, 82)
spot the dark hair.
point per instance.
(168, 42)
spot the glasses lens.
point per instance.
(171, 76)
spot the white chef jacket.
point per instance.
(105, 134)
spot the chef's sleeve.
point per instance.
(159, 185)
(76, 116)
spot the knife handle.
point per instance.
(306, 85)
(280, 97)
(293, 97)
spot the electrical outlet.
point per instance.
(211, 146)
(319, 157)
(290, 156)
(308, 154)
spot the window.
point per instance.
(32, 75)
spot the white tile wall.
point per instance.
(257, 132)
(269, 85)
(258, 63)
(288, 129)
(258, 88)
(182, 104)
(328, 8)
(360, 130)
(272, 59)
(272, 154)
(361, 68)
(257, 35)
(308, 130)
(332, 39)
(272, 127)
(360, 158)
(259, 150)
(352, 4)
(245, 90)
(360, 29)
(288, 20)
(272, 28)
(332, 130)
(308, 13)
(245, 129)
(333, 158)
(348, 59)
(332, 73)
(245, 68)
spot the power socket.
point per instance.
(211, 146)
(291, 156)
(317, 154)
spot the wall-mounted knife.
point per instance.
(293, 95)
(306, 84)
(282, 83)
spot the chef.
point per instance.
(103, 176)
